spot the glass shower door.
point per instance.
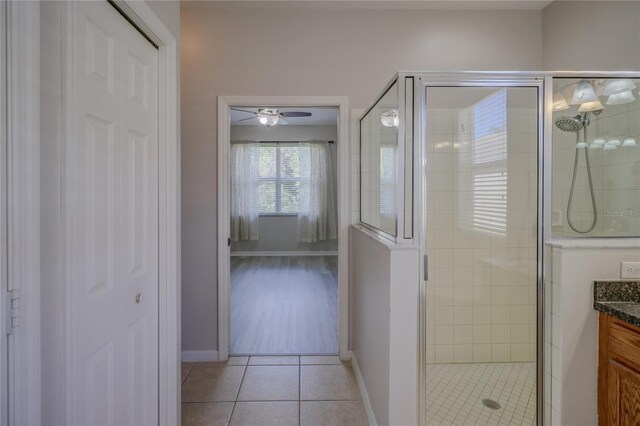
(481, 235)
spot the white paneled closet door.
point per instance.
(111, 200)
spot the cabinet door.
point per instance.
(623, 395)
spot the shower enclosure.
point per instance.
(478, 170)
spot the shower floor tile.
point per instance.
(455, 393)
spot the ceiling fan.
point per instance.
(270, 117)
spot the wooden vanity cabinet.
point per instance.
(618, 372)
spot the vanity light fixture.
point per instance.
(559, 102)
(621, 98)
(591, 106)
(584, 93)
(614, 87)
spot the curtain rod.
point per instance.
(277, 142)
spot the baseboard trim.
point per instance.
(199, 356)
(283, 253)
(363, 391)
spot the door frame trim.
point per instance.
(425, 81)
(224, 206)
(21, 204)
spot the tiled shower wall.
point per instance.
(481, 292)
(616, 175)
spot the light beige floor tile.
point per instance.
(327, 382)
(210, 413)
(274, 360)
(270, 383)
(211, 384)
(332, 413)
(233, 360)
(320, 360)
(186, 367)
(282, 413)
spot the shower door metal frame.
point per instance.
(481, 79)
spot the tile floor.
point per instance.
(271, 390)
(455, 392)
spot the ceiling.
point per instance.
(319, 116)
(373, 4)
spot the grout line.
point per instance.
(299, 392)
(188, 372)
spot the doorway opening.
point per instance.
(284, 242)
(283, 266)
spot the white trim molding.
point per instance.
(199, 356)
(363, 391)
(23, 207)
(283, 253)
(224, 203)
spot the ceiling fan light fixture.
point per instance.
(268, 117)
(390, 118)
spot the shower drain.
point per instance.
(490, 403)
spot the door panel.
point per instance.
(112, 209)
(481, 241)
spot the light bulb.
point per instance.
(629, 142)
(268, 120)
(591, 106)
(559, 102)
(609, 147)
(584, 93)
(621, 98)
(581, 145)
(595, 145)
(614, 142)
(618, 86)
(599, 141)
(390, 118)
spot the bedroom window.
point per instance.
(283, 175)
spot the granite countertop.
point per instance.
(620, 299)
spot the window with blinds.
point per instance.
(489, 165)
(284, 176)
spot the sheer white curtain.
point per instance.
(317, 215)
(245, 190)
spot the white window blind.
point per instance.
(482, 200)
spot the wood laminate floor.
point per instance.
(284, 305)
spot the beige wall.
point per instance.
(591, 35)
(309, 52)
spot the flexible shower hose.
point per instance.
(573, 184)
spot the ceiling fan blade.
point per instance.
(244, 110)
(295, 114)
(248, 118)
(282, 121)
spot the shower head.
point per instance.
(570, 124)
